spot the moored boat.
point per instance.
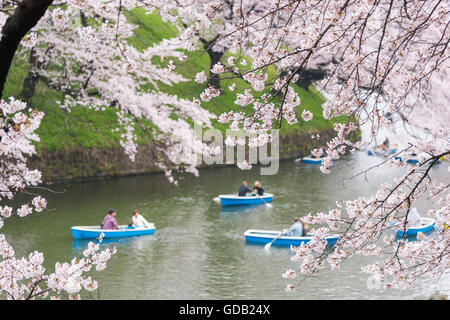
(312, 160)
(410, 160)
(426, 225)
(266, 236)
(414, 159)
(94, 232)
(235, 200)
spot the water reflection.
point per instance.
(249, 209)
(129, 243)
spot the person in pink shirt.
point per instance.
(110, 221)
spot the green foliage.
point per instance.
(151, 29)
(16, 76)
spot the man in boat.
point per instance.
(138, 220)
(243, 189)
(257, 188)
(110, 221)
(414, 218)
(296, 230)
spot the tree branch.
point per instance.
(25, 17)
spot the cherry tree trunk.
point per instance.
(29, 84)
(25, 17)
(215, 57)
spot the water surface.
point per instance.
(198, 250)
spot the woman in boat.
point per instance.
(110, 221)
(385, 145)
(257, 188)
(296, 230)
(138, 220)
(414, 218)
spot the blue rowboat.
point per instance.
(266, 236)
(414, 160)
(242, 209)
(312, 160)
(411, 160)
(235, 200)
(381, 153)
(426, 225)
(93, 232)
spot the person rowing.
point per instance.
(298, 229)
(243, 189)
(110, 222)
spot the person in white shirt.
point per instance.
(139, 221)
(298, 229)
(414, 218)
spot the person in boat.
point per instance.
(110, 221)
(257, 188)
(414, 218)
(297, 229)
(243, 189)
(138, 220)
(385, 144)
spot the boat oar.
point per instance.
(267, 246)
(267, 204)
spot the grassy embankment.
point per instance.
(83, 128)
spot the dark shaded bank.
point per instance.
(95, 163)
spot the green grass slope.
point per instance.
(85, 128)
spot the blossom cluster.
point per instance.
(26, 278)
(108, 71)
